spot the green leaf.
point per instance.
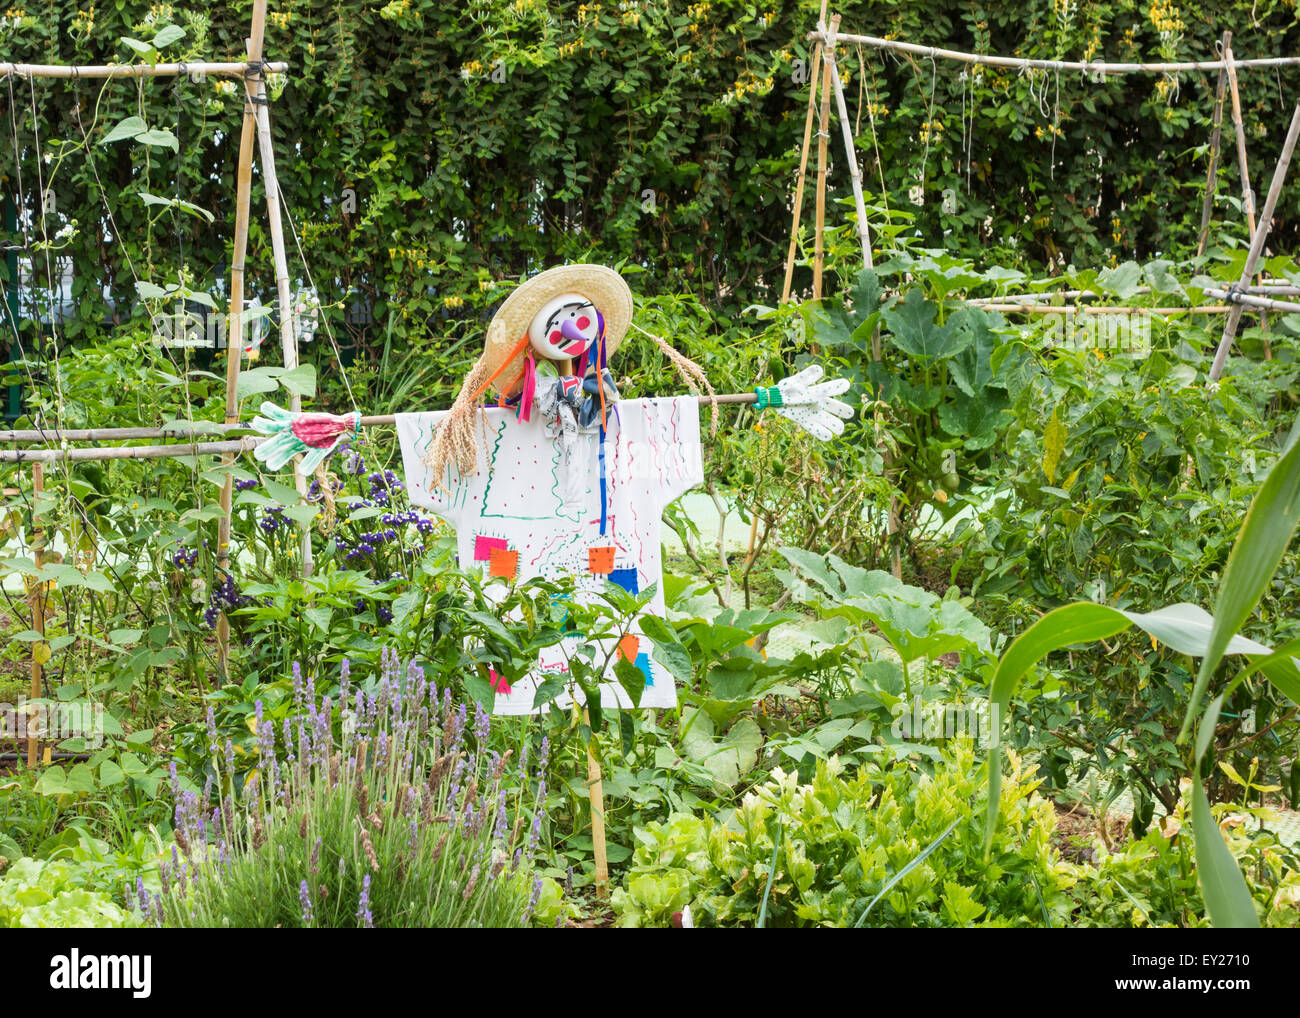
(912, 328)
(128, 128)
(405, 603)
(302, 514)
(150, 291)
(319, 617)
(255, 381)
(1227, 898)
(548, 689)
(282, 493)
(667, 649)
(1123, 280)
(143, 48)
(110, 774)
(169, 35)
(301, 380)
(631, 678)
(913, 864)
(159, 139)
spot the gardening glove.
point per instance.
(810, 404)
(314, 434)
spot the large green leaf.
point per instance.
(912, 328)
(1183, 627)
(1227, 898)
(1265, 533)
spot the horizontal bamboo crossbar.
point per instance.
(44, 436)
(44, 454)
(221, 69)
(1266, 288)
(1089, 309)
(1090, 66)
(1251, 300)
(178, 450)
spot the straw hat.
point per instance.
(601, 285)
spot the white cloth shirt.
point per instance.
(527, 497)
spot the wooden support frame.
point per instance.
(1257, 245)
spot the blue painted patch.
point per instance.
(626, 578)
(643, 662)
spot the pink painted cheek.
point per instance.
(583, 322)
(556, 338)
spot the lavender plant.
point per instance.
(385, 809)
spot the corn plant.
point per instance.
(1262, 542)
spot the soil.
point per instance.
(1078, 831)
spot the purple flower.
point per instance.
(533, 899)
(364, 916)
(304, 899)
(143, 896)
(213, 744)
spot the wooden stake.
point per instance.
(288, 340)
(864, 234)
(823, 136)
(596, 790)
(1212, 175)
(803, 170)
(1257, 246)
(37, 603)
(1247, 192)
(234, 330)
(1247, 195)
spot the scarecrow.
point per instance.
(561, 477)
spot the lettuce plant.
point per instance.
(831, 846)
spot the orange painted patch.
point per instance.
(629, 647)
(600, 561)
(503, 562)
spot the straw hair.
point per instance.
(690, 373)
(601, 285)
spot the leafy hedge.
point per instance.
(484, 140)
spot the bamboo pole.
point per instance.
(180, 450)
(803, 171)
(1257, 246)
(1091, 309)
(218, 68)
(42, 439)
(1264, 287)
(288, 340)
(823, 136)
(1216, 134)
(864, 236)
(41, 436)
(1253, 301)
(1247, 194)
(596, 791)
(37, 604)
(234, 328)
(1088, 67)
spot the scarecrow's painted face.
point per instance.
(565, 327)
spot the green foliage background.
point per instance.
(488, 139)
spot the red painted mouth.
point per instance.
(573, 349)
